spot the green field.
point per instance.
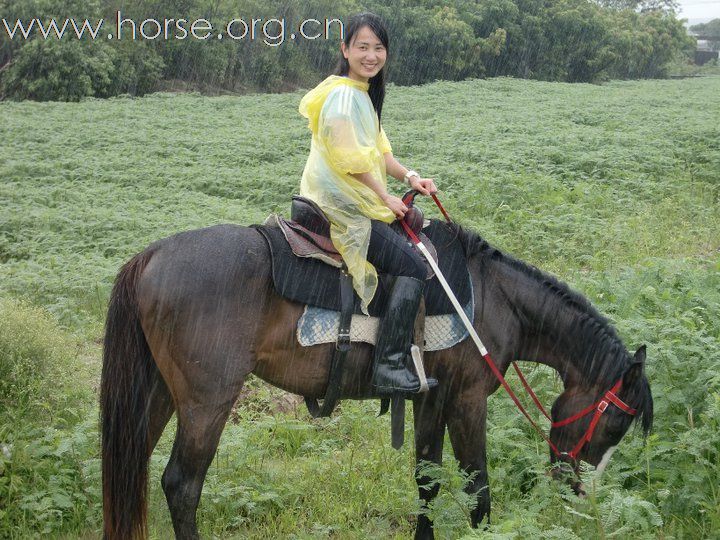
(613, 188)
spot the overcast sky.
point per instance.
(699, 9)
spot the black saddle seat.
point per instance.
(308, 214)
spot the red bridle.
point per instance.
(599, 407)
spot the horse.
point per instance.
(192, 315)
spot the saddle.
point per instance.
(308, 231)
(301, 247)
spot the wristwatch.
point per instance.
(407, 176)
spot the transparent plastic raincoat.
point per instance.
(346, 139)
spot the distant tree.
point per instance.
(559, 40)
(137, 68)
(69, 69)
(710, 30)
(60, 70)
(434, 42)
(642, 6)
(580, 36)
(644, 44)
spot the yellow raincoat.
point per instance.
(346, 139)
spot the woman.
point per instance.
(345, 175)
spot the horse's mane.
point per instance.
(597, 344)
(600, 354)
(596, 336)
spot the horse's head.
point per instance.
(590, 421)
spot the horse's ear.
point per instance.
(640, 354)
(636, 369)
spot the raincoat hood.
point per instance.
(312, 102)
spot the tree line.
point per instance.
(710, 31)
(554, 40)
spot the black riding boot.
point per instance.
(394, 371)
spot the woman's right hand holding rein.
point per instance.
(426, 186)
(395, 204)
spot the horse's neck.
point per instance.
(548, 324)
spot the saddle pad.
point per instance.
(318, 325)
(312, 282)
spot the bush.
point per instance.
(60, 70)
(33, 351)
(137, 69)
(49, 472)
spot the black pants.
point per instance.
(392, 253)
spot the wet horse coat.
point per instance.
(192, 315)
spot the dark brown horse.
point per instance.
(193, 314)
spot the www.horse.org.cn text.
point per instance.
(272, 31)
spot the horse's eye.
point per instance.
(615, 427)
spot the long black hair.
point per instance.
(377, 83)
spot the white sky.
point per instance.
(699, 9)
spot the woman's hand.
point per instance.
(395, 204)
(426, 186)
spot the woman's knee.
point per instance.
(415, 267)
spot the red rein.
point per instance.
(599, 407)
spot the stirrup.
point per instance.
(420, 369)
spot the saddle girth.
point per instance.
(342, 347)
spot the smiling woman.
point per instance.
(346, 176)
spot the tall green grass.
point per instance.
(47, 430)
(613, 188)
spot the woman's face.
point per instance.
(366, 55)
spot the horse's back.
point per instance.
(214, 259)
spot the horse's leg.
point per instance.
(160, 409)
(429, 435)
(466, 427)
(204, 389)
(198, 433)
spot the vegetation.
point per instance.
(555, 40)
(614, 188)
(711, 31)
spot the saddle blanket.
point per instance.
(318, 325)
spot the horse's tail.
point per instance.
(128, 374)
